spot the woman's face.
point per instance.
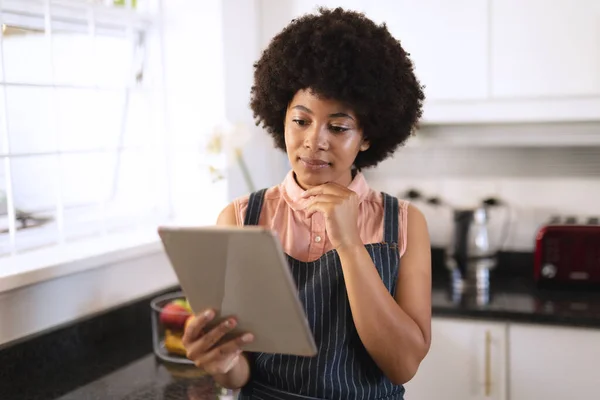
(322, 139)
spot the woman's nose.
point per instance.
(316, 138)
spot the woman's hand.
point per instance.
(200, 345)
(339, 205)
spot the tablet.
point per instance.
(242, 272)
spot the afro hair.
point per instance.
(344, 56)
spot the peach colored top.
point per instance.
(305, 239)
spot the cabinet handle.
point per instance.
(488, 363)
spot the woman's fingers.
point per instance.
(193, 329)
(209, 339)
(326, 198)
(326, 188)
(323, 203)
(200, 344)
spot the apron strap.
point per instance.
(390, 221)
(255, 203)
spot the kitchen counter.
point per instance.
(149, 378)
(510, 301)
(110, 356)
(514, 297)
(520, 302)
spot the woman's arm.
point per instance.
(396, 331)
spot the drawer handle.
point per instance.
(488, 363)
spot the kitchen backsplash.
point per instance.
(536, 182)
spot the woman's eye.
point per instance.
(300, 122)
(337, 129)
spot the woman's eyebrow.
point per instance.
(334, 115)
(341, 115)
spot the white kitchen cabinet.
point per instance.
(486, 61)
(447, 41)
(553, 363)
(303, 6)
(545, 49)
(277, 14)
(467, 361)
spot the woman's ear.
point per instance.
(364, 145)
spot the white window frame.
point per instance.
(32, 266)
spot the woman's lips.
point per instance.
(313, 163)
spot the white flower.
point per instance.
(229, 139)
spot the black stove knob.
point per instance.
(571, 220)
(593, 221)
(555, 219)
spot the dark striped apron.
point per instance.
(342, 368)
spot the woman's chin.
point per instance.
(311, 179)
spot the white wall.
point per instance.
(243, 44)
(196, 102)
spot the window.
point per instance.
(83, 116)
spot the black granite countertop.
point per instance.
(149, 378)
(514, 297)
(110, 355)
(517, 301)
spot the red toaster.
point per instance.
(567, 255)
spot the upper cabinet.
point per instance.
(447, 41)
(276, 14)
(487, 61)
(545, 49)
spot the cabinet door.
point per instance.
(544, 48)
(447, 40)
(553, 363)
(276, 14)
(467, 361)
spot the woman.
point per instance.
(338, 94)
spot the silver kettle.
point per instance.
(470, 255)
(471, 252)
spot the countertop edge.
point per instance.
(510, 317)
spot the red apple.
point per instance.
(174, 316)
(184, 303)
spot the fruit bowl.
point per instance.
(169, 315)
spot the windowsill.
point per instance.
(53, 262)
